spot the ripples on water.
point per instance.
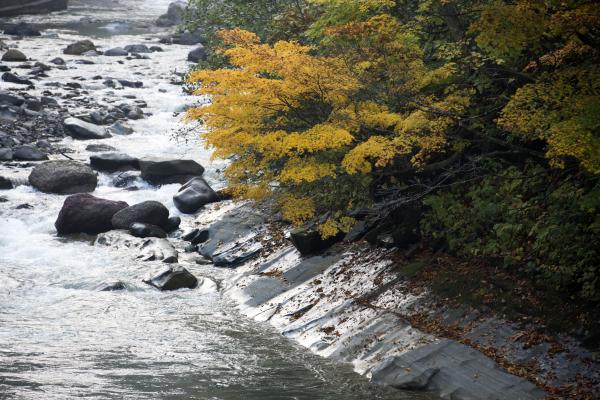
(60, 338)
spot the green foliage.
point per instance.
(525, 221)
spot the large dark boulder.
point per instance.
(158, 171)
(5, 183)
(63, 177)
(116, 52)
(11, 99)
(141, 230)
(14, 55)
(22, 29)
(148, 212)
(174, 15)
(14, 78)
(78, 48)
(308, 240)
(84, 213)
(198, 54)
(195, 194)
(79, 129)
(173, 278)
(111, 162)
(28, 153)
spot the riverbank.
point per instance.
(352, 303)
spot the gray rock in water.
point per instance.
(58, 61)
(172, 224)
(14, 55)
(451, 367)
(13, 78)
(137, 48)
(63, 177)
(5, 183)
(119, 128)
(78, 48)
(114, 162)
(189, 38)
(84, 213)
(8, 98)
(142, 230)
(79, 129)
(116, 52)
(28, 153)
(174, 15)
(173, 278)
(158, 249)
(148, 212)
(159, 171)
(98, 148)
(131, 84)
(6, 154)
(197, 55)
(156, 49)
(22, 29)
(112, 286)
(193, 195)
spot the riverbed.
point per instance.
(62, 338)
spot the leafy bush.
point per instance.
(528, 223)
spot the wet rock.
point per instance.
(173, 278)
(28, 153)
(91, 53)
(193, 195)
(174, 15)
(159, 171)
(73, 85)
(148, 212)
(112, 287)
(22, 29)
(58, 61)
(84, 62)
(188, 38)
(172, 224)
(7, 98)
(119, 128)
(308, 240)
(6, 154)
(101, 118)
(13, 78)
(156, 49)
(158, 249)
(5, 183)
(126, 179)
(24, 206)
(4, 68)
(79, 129)
(98, 148)
(131, 84)
(137, 48)
(63, 177)
(84, 213)
(200, 237)
(142, 230)
(190, 248)
(34, 104)
(114, 162)
(116, 52)
(14, 55)
(80, 47)
(197, 55)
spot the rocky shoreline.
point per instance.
(345, 299)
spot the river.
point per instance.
(61, 338)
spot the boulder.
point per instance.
(79, 129)
(308, 240)
(174, 15)
(112, 286)
(198, 54)
(78, 48)
(173, 278)
(63, 177)
(5, 183)
(14, 78)
(172, 224)
(28, 153)
(131, 84)
(158, 249)
(158, 171)
(114, 162)
(137, 48)
(193, 195)
(6, 154)
(141, 230)
(188, 38)
(148, 212)
(119, 128)
(58, 61)
(99, 148)
(116, 52)
(22, 29)
(8, 98)
(156, 49)
(14, 55)
(84, 213)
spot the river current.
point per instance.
(61, 338)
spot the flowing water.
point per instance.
(60, 337)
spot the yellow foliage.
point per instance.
(297, 210)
